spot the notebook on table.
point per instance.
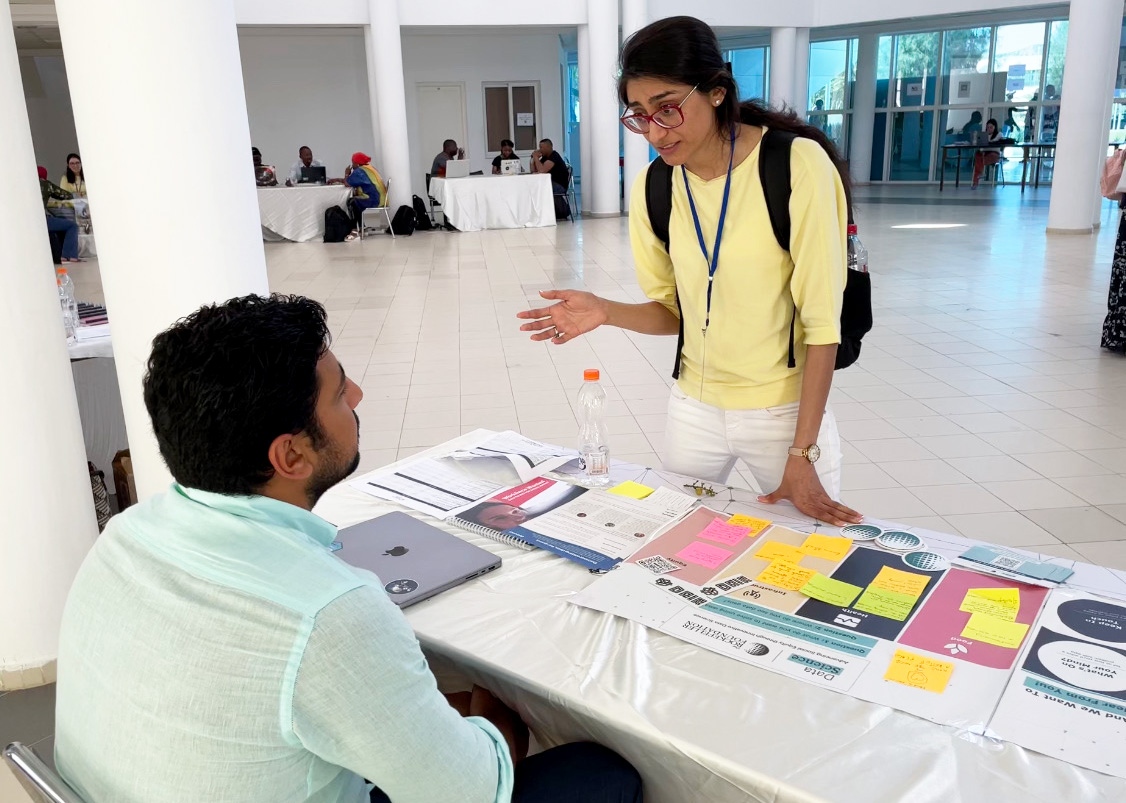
(413, 560)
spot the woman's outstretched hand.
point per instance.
(577, 313)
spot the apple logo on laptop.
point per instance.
(396, 551)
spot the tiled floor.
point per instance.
(981, 405)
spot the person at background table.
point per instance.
(973, 125)
(507, 151)
(738, 399)
(304, 159)
(450, 150)
(213, 647)
(548, 160)
(1010, 128)
(264, 175)
(54, 197)
(74, 180)
(370, 191)
(986, 156)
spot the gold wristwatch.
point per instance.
(810, 453)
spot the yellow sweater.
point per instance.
(757, 284)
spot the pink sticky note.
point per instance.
(725, 533)
(704, 554)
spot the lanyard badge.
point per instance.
(713, 261)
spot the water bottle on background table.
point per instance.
(592, 428)
(67, 305)
(857, 253)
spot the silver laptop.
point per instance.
(413, 560)
(509, 167)
(457, 168)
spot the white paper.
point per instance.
(530, 458)
(92, 332)
(429, 486)
(525, 119)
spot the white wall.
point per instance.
(473, 60)
(48, 108)
(307, 87)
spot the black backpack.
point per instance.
(774, 173)
(421, 219)
(404, 221)
(337, 225)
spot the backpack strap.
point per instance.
(774, 174)
(658, 203)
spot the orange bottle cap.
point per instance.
(591, 375)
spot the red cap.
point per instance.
(852, 228)
(591, 374)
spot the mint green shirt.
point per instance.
(213, 648)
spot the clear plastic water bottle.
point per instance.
(67, 304)
(857, 253)
(592, 428)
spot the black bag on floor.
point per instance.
(421, 219)
(404, 221)
(337, 225)
(562, 208)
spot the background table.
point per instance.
(99, 402)
(298, 213)
(697, 725)
(496, 202)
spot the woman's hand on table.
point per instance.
(577, 313)
(802, 486)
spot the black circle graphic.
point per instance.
(401, 586)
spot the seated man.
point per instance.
(450, 150)
(304, 159)
(214, 648)
(54, 197)
(507, 151)
(264, 175)
(549, 160)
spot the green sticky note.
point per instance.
(889, 604)
(834, 592)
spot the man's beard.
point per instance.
(334, 470)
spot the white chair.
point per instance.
(40, 781)
(385, 208)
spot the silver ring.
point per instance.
(559, 334)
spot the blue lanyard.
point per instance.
(712, 261)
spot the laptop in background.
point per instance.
(313, 175)
(457, 168)
(414, 560)
(509, 167)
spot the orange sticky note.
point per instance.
(756, 526)
(784, 574)
(919, 672)
(774, 550)
(831, 547)
(900, 582)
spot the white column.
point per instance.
(783, 44)
(162, 96)
(801, 71)
(1088, 79)
(586, 132)
(385, 73)
(863, 118)
(602, 111)
(635, 16)
(49, 516)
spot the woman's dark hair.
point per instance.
(993, 121)
(70, 173)
(225, 381)
(685, 50)
(507, 142)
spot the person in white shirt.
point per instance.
(305, 159)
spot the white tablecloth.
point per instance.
(699, 726)
(496, 202)
(99, 402)
(298, 213)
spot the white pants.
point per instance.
(703, 441)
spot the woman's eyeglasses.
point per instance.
(665, 117)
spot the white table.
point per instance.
(298, 213)
(698, 726)
(496, 202)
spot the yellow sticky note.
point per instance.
(834, 592)
(900, 582)
(784, 574)
(973, 603)
(992, 630)
(756, 525)
(888, 604)
(831, 547)
(1009, 597)
(919, 672)
(634, 490)
(774, 550)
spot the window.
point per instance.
(916, 64)
(1017, 62)
(965, 66)
(511, 112)
(827, 72)
(883, 59)
(749, 67)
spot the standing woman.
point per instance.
(725, 275)
(1114, 325)
(74, 181)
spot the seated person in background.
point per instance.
(507, 151)
(549, 160)
(74, 180)
(264, 175)
(450, 150)
(974, 124)
(305, 159)
(55, 196)
(370, 191)
(987, 156)
(214, 648)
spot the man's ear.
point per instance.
(292, 456)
